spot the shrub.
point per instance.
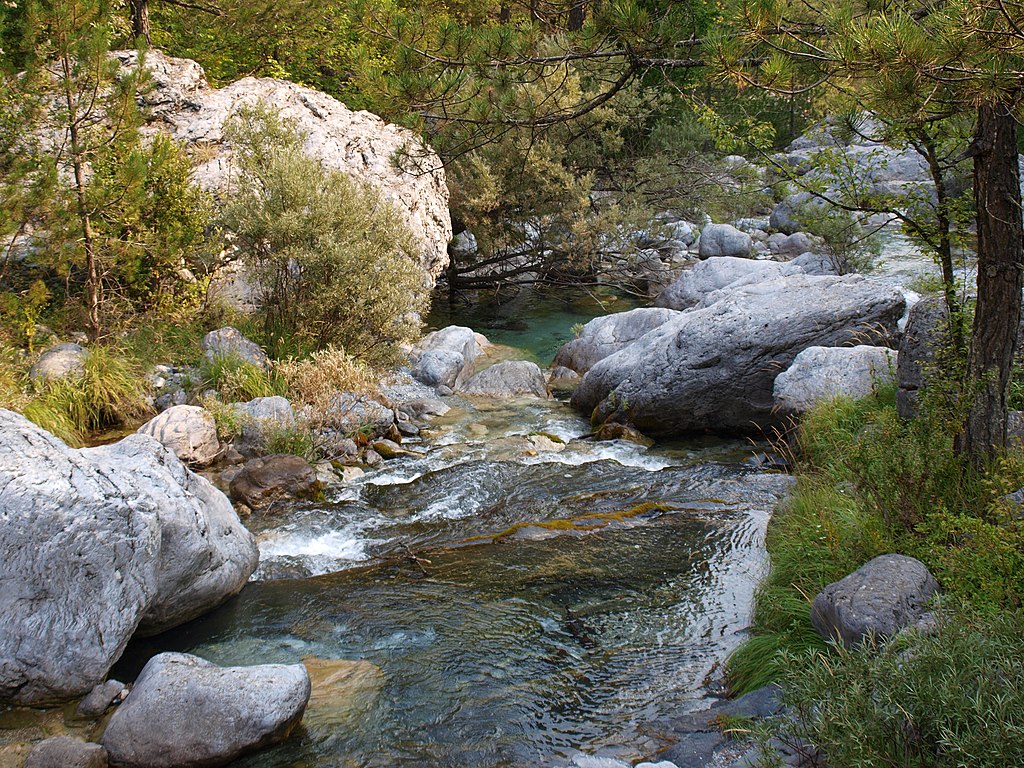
(954, 699)
(332, 260)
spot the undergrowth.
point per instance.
(868, 483)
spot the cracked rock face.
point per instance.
(97, 544)
(360, 144)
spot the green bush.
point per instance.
(332, 260)
(951, 700)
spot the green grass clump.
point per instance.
(110, 392)
(237, 380)
(954, 699)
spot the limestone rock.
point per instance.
(206, 555)
(822, 373)
(184, 712)
(715, 274)
(713, 368)
(95, 544)
(445, 357)
(188, 430)
(229, 342)
(424, 407)
(270, 478)
(359, 144)
(60, 362)
(723, 240)
(606, 335)
(880, 598)
(511, 378)
(920, 347)
(66, 752)
(260, 417)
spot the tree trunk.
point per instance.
(577, 15)
(140, 21)
(1000, 264)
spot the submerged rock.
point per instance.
(511, 378)
(97, 544)
(822, 373)
(713, 368)
(184, 711)
(879, 599)
(188, 430)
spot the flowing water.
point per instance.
(510, 593)
(515, 599)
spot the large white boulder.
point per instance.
(185, 712)
(97, 544)
(822, 373)
(359, 144)
(712, 368)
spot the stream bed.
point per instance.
(514, 595)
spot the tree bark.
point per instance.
(1000, 263)
(140, 20)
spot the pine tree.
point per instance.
(916, 63)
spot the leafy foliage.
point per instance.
(332, 259)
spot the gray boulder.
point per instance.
(822, 373)
(795, 212)
(270, 478)
(187, 430)
(713, 368)
(511, 378)
(712, 275)
(229, 342)
(261, 417)
(878, 599)
(60, 362)
(185, 712)
(66, 752)
(790, 245)
(97, 544)
(606, 335)
(815, 263)
(921, 346)
(100, 699)
(445, 357)
(723, 240)
(350, 413)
